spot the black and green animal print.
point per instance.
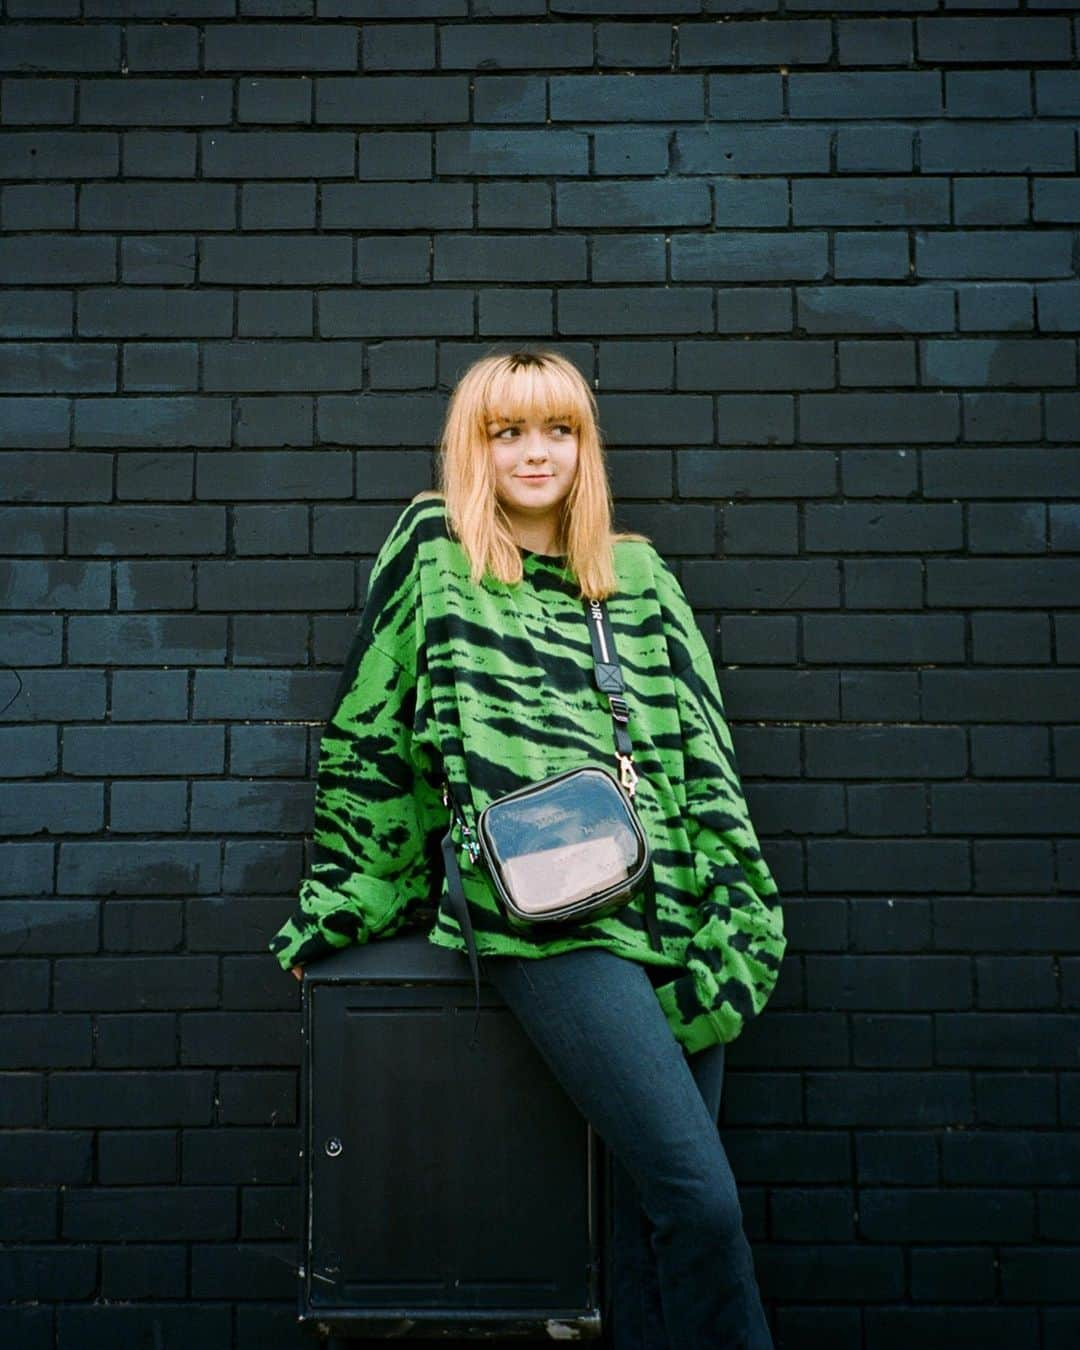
(491, 684)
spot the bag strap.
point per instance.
(609, 680)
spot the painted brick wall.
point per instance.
(822, 267)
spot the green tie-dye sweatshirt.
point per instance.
(492, 685)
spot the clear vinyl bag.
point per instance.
(564, 848)
(570, 847)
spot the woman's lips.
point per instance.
(533, 477)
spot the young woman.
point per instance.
(473, 664)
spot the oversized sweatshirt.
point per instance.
(491, 685)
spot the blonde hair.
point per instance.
(522, 384)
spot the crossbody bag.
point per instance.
(567, 848)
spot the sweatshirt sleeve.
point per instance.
(370, 860)
(733, 959)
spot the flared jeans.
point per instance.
(682, 1270)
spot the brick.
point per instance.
(54, 694)
(36, 102)
(993, 253)
(744, 97)
(282, 366)
(844, 94)
(150, 102)
(997, 1039)
(57, 259)
(756, 43)
(281, 46)
(271, 585)
(251, 808)
(29, 751)
(57, 46)
(753, 309)
(978, 1214)
(862, 255)
(1012, 1157)
(155, 585)
(148, 696)
(391, 46)
(1002, 362)
(60, 154)
(159, 154)
(625, 98)
(1057, 200)
(276, 260)
(876, 309)
(899, 1097)
(425, 205)
(475, 46)
(137, 868)
(1016, 1099)
(733, 255)
(52, 808)
(888, 982)
(147, 807)
(151, 421)
(242, 694)
(875, 42)
(763, 364)
(127, 530)
(278, 154)
(130, 751)
(269, 639)
(752, 150)
(1057, 93)
(885, 418)
(978, 147)
(869, 201)
(31, 529)
(876, 148)
(120, 311)
(34, 584)
(750, 201)
(1001, 417)
(268, 751)
(892, 1157)
(171, 47)
(1058, 306)
(375, 100)
(1015, 982)
(885, 364)
(182, 639)
(344, 313)
(226, 475)
(990, 201)
(66, 367)
(34, 423)
(986, 93)
(1004, 40)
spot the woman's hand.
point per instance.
(298, 971)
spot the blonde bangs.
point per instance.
(520, 385)
(515, 393)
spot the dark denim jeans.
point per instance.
(683, 1274)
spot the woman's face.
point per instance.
(535, 465)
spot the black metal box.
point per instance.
(447, 1191)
